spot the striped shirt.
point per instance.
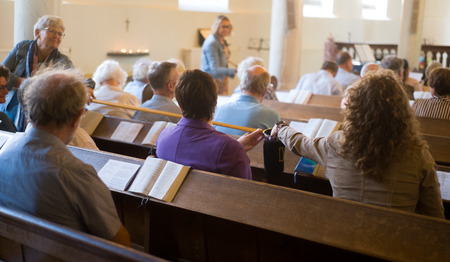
(436, 107)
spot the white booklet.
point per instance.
(153, 133)
(117, 174)
(127, 131)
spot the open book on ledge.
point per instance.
(298, 96)
(156, 178)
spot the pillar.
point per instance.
(285, 42)
(27, 12)
(410, 41)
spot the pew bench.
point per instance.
(217, 217)
(24, 237)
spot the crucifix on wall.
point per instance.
(127, 23)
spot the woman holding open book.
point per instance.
(379, 157)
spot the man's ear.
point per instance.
(36, 33)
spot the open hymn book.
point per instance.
(156, 178)
(315, 127)
(298, 96)
(152, 135)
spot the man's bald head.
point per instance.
(255, 81)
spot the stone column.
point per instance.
(285, 42)
(410, 42)
(27, 12)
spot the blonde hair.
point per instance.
(378, 123)
(49, 20)
(217, 22)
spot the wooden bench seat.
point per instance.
(27, 238)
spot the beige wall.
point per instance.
(95, 27)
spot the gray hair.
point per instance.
(180, 65)
(159, 76)
(110, 69)
(140, 69)
(53, 96)
(431, 66)
(49, 20)
(393, 63)
(255, 83)
(217, 22)
(247, 63)
(368, 68)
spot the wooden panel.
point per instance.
(324, 100)
(304, 112)
(432, 126)
(439, 148)
(10, 250)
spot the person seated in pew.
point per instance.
(425, 77)
(409, 80)
(439, 105)
(140, 81)
(41, 176)
(180, 65)
(345, 75)
(368, 67)
(194, 142)
(248, 110)
(246, 64)
(6, 124)
(110, 78)
(162, 78)
(379, 157)
(396, 65)
(322, 82)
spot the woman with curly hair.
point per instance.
(379, 157)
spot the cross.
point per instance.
(127, 22)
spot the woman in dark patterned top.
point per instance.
(439, 105)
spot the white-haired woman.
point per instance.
(215, 54)
(110, 79)
(140, 82)
(29, 56)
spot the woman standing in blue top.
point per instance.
(215, 54)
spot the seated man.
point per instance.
(194, 142)
(345, 75)
(439, 105)
(322, 82)
(396, 64)
(247, 110)
(162, 79)
(140, 81)
(40, 175)
(6, 124)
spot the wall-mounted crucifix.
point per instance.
(127, 23)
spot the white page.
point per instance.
(426, 95)
(312, 127)
(147, 176)
(164, 181)
(290, 98)
(153, 133)
(444, 181)
(418, 94)
(303, 97)
(170, 124)
(116, 174)
(299, 126)
(326, 128)
(282, 96)
(127, 131)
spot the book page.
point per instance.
(117, 174)
(292, 96)
(153, 133)
(90, 121)
(147, 176)
(444, 181)
(418, 94)
(282, 96)
(169, 181)
(303, 97)
(299, 126)
(312, 127)
(328, 126)
(127, 131)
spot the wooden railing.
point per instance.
(429, 52)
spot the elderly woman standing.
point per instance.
(29, 56)
(215, 54)
(379, 157)
(110, 79)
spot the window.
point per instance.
(374, 9)
(204, 5)
(318, 8)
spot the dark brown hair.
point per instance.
(439, 79)
(330, 65)
(196, 93)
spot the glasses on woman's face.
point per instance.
(54, 32)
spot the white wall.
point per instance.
(95, 27)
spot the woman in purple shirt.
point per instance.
(194, 142)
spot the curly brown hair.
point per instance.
(378, 123)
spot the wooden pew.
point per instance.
(27, 238)
(324, 100)
(216, 217)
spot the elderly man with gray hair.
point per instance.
(41, 176)
(247, 110)
(396, 64)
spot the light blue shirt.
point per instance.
(135, 88)
(320, 83)
(245, 111)
(40, 176)
(345, 78)
(161, 103)
(214, 58)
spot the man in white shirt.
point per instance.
(322, 82)
(345, 75)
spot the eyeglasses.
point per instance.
(54, 32)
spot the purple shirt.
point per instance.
(196, 144)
